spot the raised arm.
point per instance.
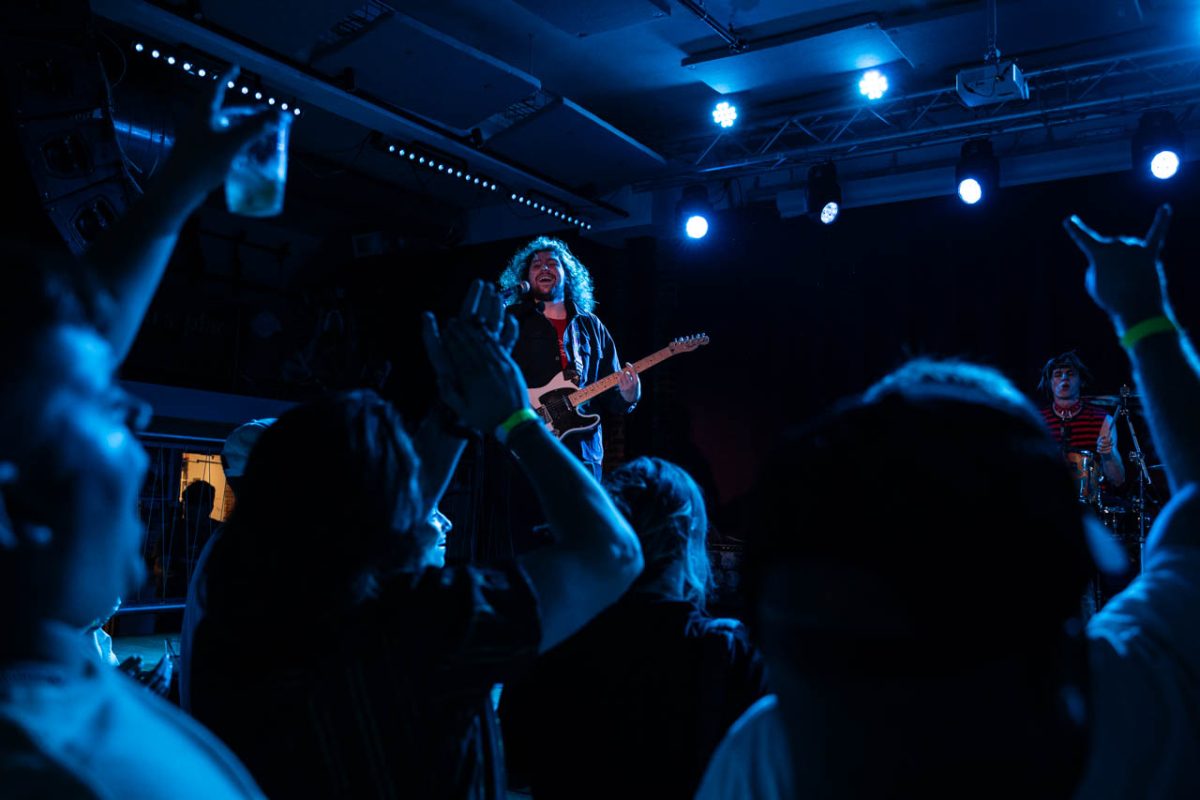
(595, 556)
(1125, 277)
(1108, 448)
(441, 437)
(129, 262)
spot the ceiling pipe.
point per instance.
(736, 43)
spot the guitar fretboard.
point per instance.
(609, 381)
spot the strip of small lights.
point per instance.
(550, 211)
(429, 161)
(196, 71)
(450, 170)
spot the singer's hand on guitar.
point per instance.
(629, 384)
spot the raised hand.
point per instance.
(204, 148)
(1124, 275)
(487, 387)
(483, 305)
(476, 377)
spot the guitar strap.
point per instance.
(573, 375)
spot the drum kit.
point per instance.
(1127, 519)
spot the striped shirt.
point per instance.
(1080, 432)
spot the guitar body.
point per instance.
(558, 414)
(558, 401)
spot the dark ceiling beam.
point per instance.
(881, 22)
(317, 90)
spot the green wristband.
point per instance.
(516, 419)
(1147, 327)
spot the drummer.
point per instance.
(1080, 428)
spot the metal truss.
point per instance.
(1063, 95)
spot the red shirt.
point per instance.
(560, 327)
(1080, 431)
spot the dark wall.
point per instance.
(801, 314)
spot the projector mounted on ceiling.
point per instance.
(991, 84)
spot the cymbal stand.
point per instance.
(1137, 457)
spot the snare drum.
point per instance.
(1121, 525)
(1086, 473)
(1117, 519)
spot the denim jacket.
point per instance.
(591, 355)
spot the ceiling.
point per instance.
(599, 112)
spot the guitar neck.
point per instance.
(601, 386)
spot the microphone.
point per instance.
(519, 290)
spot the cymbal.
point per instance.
(1135, 401)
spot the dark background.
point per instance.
(799, 314)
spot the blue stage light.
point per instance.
(874, 84)
(724, 114)
(969, 191)
(1164, 165)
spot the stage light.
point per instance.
(283, 106)
(1164, 165)
(171, 60)
(230, 85)
(873, 84)
(977, 174)
(202, 72)
(1158, 145)
(724, 114)
(155, 54)
(969, 191)
(139, 47)
(187, 67)
(695, 211)
(258, 95)
(270, 101)
(824, 193)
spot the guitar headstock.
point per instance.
(686, 344)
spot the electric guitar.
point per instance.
(557, 402)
